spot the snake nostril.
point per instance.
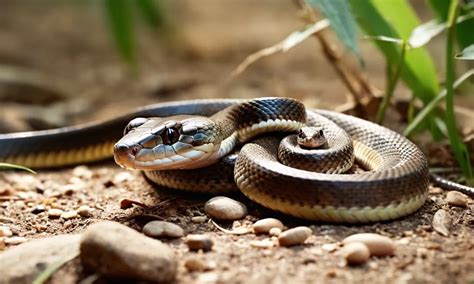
(121, 147)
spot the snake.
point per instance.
(189, 145)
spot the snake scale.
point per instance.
(190, 151)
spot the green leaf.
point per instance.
(152, 12)
(121, 24)
(467, 53)
(339, 15)
(16, 167)
(53, 267)
(422, 34)
(464, 29)
(385, 39)
(459, 149)
(396, 19)
(423, 114)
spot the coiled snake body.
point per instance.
(394, 185)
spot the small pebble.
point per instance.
(199, 219)
(224, 208)
(378, 245)
(274, 232)
(457, 198)
(85, 211)
(162, 229)
(329, 247)
(15, 240)
(70, 189)
(199, 242)
(5, 231)
(262, 243)
(69, 214)
(294, 236)
(82, 171)
(442, 222)
(355, 253)
(194, 263)
(265, 225)
(38, 209)
(122, 176)
(54, 213)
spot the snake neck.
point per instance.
(242, 122)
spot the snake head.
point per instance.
(311, 137)
(178, 142)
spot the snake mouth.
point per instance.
(140, 158)
(125, 155)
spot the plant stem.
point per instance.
(392, 83)
(421, 116)
(459, 149)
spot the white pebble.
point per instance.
(54, 213)
(15, 240)
(85, 211)
(294, 236)
(274, 232)
(262, 243)
(265, 225)
(378, 245)
(224, 208)
(457, 198)
(199, 219)
(5, 232)
(69, 214)
(162, 229)
(356, 253)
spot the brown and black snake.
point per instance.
(186, 145)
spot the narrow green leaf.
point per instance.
(392, 83)
(423, 114)
(422, 34)
(464, 29)
(121, 24)
(467, 53)
(342, 21)
(385, 39)
(16, 167)
(396, 19)
(152, 12)
(459, 149)
(53, 267)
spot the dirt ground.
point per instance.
(69, 46)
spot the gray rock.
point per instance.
(23, 263)
(117, 251)
(162, 229)
(224, 208)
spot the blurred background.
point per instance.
(65, 62)
(68, 50)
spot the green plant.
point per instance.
(394, 21)
(121, 19)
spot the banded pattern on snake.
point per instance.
(395, 185)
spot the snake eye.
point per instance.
(301, 134)
(321, 133)
(170, 136)
(134, 123)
